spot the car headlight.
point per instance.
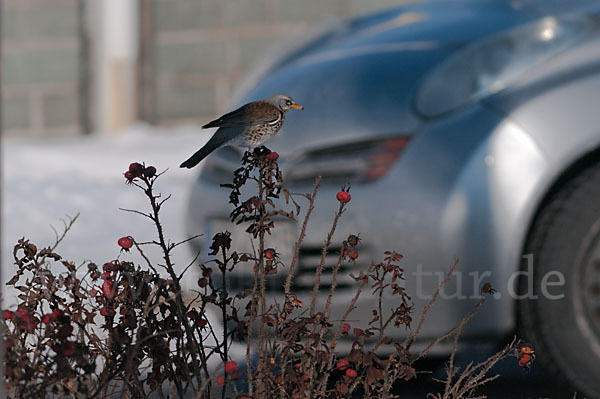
(488, 66)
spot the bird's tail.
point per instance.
(202, 153)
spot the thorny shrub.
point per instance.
(127, 328)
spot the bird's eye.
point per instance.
(288, 102)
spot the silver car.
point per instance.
(468, 130)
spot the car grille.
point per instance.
(338, 164)
(305, 273)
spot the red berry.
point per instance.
(47, 318)
(201, 323)
(221, 380)
(68, 348)
(270, 253)
(346, 327)
(108, 290)
(8, 315)
(129, 176)
(202, 282)
(353, 255)
(192, 314)
(273, 156)
(93, 292)
(230, 366)
(351, 373)
(56, 313)
(150, 171)
(107, 311)
(207, 272)
(106, 276)
(125, 242)
(29, 323)
(342, 364)
(136, 169)
(65, 331)
(108, 267)
(524, 361)
(343, 196)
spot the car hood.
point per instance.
(379, 59)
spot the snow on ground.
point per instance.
(45, 180)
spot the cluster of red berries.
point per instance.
(206, 273)
(526, 356)
(109, 286)
(200, 322)
(137, 170)
(110, 270)
(64, 331)
(52, 317)
(350, 246)
(342, 365)
(26, 321)
(22, 318)
(66, 348)
(230, 368)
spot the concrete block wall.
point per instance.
(203, 47)
(39, 67)
(200, 51)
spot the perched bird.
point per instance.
(249, 126)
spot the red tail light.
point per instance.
(383, 157)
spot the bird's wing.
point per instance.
(250, 114)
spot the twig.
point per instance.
(311, 206)
(411, 338)
(326, 246)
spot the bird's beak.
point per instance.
(297, 106)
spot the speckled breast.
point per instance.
(256, 135)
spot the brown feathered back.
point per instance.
(254, 113)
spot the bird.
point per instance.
(248, 126)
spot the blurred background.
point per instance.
(74, 67)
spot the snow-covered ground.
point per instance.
(45, 180)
